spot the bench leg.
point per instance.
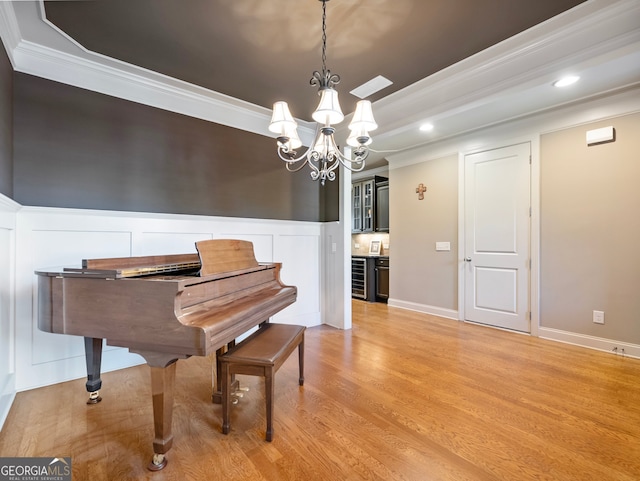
(301, 362)
(216, 375)
(269, 388)
(225, 380)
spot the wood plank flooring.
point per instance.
(401, 396)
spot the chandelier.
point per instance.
(324, 156)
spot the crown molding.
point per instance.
(592, 29)
(608, 106)
(72, 64)
(143, 87)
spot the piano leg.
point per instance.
(162, 388)
(163, 379)
(93, 356)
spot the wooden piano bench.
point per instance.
(261, 354)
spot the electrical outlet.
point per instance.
(598, 317)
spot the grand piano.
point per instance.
(164, 308)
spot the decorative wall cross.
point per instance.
(420, 190)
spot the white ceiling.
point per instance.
(598, 40)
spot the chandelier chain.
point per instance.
(324, 37)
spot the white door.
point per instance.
(497, 224)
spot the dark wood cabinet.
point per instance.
(382, 206)
(370, 278)
(362, 206)
(382, 279)
(370, 205)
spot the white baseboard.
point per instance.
(606, 345)
(592, 342)
(433, 310)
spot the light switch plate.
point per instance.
(598, 317)
(443, 246)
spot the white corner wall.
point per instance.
(8, 211)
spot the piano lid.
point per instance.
(215, 256)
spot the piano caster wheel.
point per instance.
(158, 462)
(94, 397)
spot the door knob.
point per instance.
(467, 259)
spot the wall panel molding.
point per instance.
(52, 237)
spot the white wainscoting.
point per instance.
(8, 210)
(49, 237)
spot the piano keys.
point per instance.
(164, 308)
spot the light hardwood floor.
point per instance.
(401, 396)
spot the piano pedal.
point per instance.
(237, 394)
(94, 397)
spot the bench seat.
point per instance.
(261, 354)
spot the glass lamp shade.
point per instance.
(328, 111)
(282, 121)
(356, 136)
(363, 117)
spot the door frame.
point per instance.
(534, 231)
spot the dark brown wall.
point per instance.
(80, 149)
(6, 124)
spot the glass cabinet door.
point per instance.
(356, 206)
(368, 191)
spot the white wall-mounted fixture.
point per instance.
(599, 136)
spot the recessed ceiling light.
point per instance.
(566, 81)
(426, 127)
